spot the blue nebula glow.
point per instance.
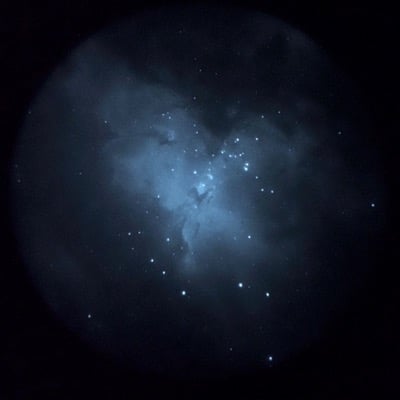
(201, 181)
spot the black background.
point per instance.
(358, 358)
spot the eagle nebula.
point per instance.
(191, 185)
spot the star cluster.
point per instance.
(186, 196)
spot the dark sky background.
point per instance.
(354, 353)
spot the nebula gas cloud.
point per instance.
(188, 185)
